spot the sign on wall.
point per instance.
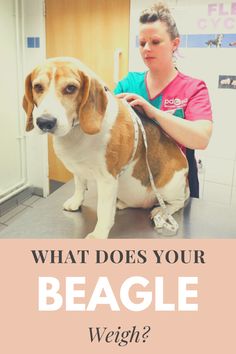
(203, 19)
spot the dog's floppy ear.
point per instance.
(28, 103)
(93, 105)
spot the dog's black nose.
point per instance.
(46, 122)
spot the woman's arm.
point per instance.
(191, 134)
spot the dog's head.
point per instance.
(62, 93)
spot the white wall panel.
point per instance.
(12, 153)
(217, 193)
(34, 27)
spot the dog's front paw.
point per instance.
(97, 236)
(91, 236)
(121, 205)
(72, 204)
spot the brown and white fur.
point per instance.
(93, 134)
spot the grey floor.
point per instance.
(15, 213)
(45, 218)
(20, 205)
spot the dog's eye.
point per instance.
(38, 88)
(70, 89)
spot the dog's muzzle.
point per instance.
(46, 123)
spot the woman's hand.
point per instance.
(191, 134)
(139, 103)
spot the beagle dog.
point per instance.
(94, 136)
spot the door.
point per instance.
(91, 30)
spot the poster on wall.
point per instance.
(227, 81)
(71, 281)
(212, 17)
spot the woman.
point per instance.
(164, 93)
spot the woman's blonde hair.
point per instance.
(160, 12)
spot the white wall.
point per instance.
(12, 151)
(23, 156)
(218, 175)
(34, 26)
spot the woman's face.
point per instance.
(156, 46)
